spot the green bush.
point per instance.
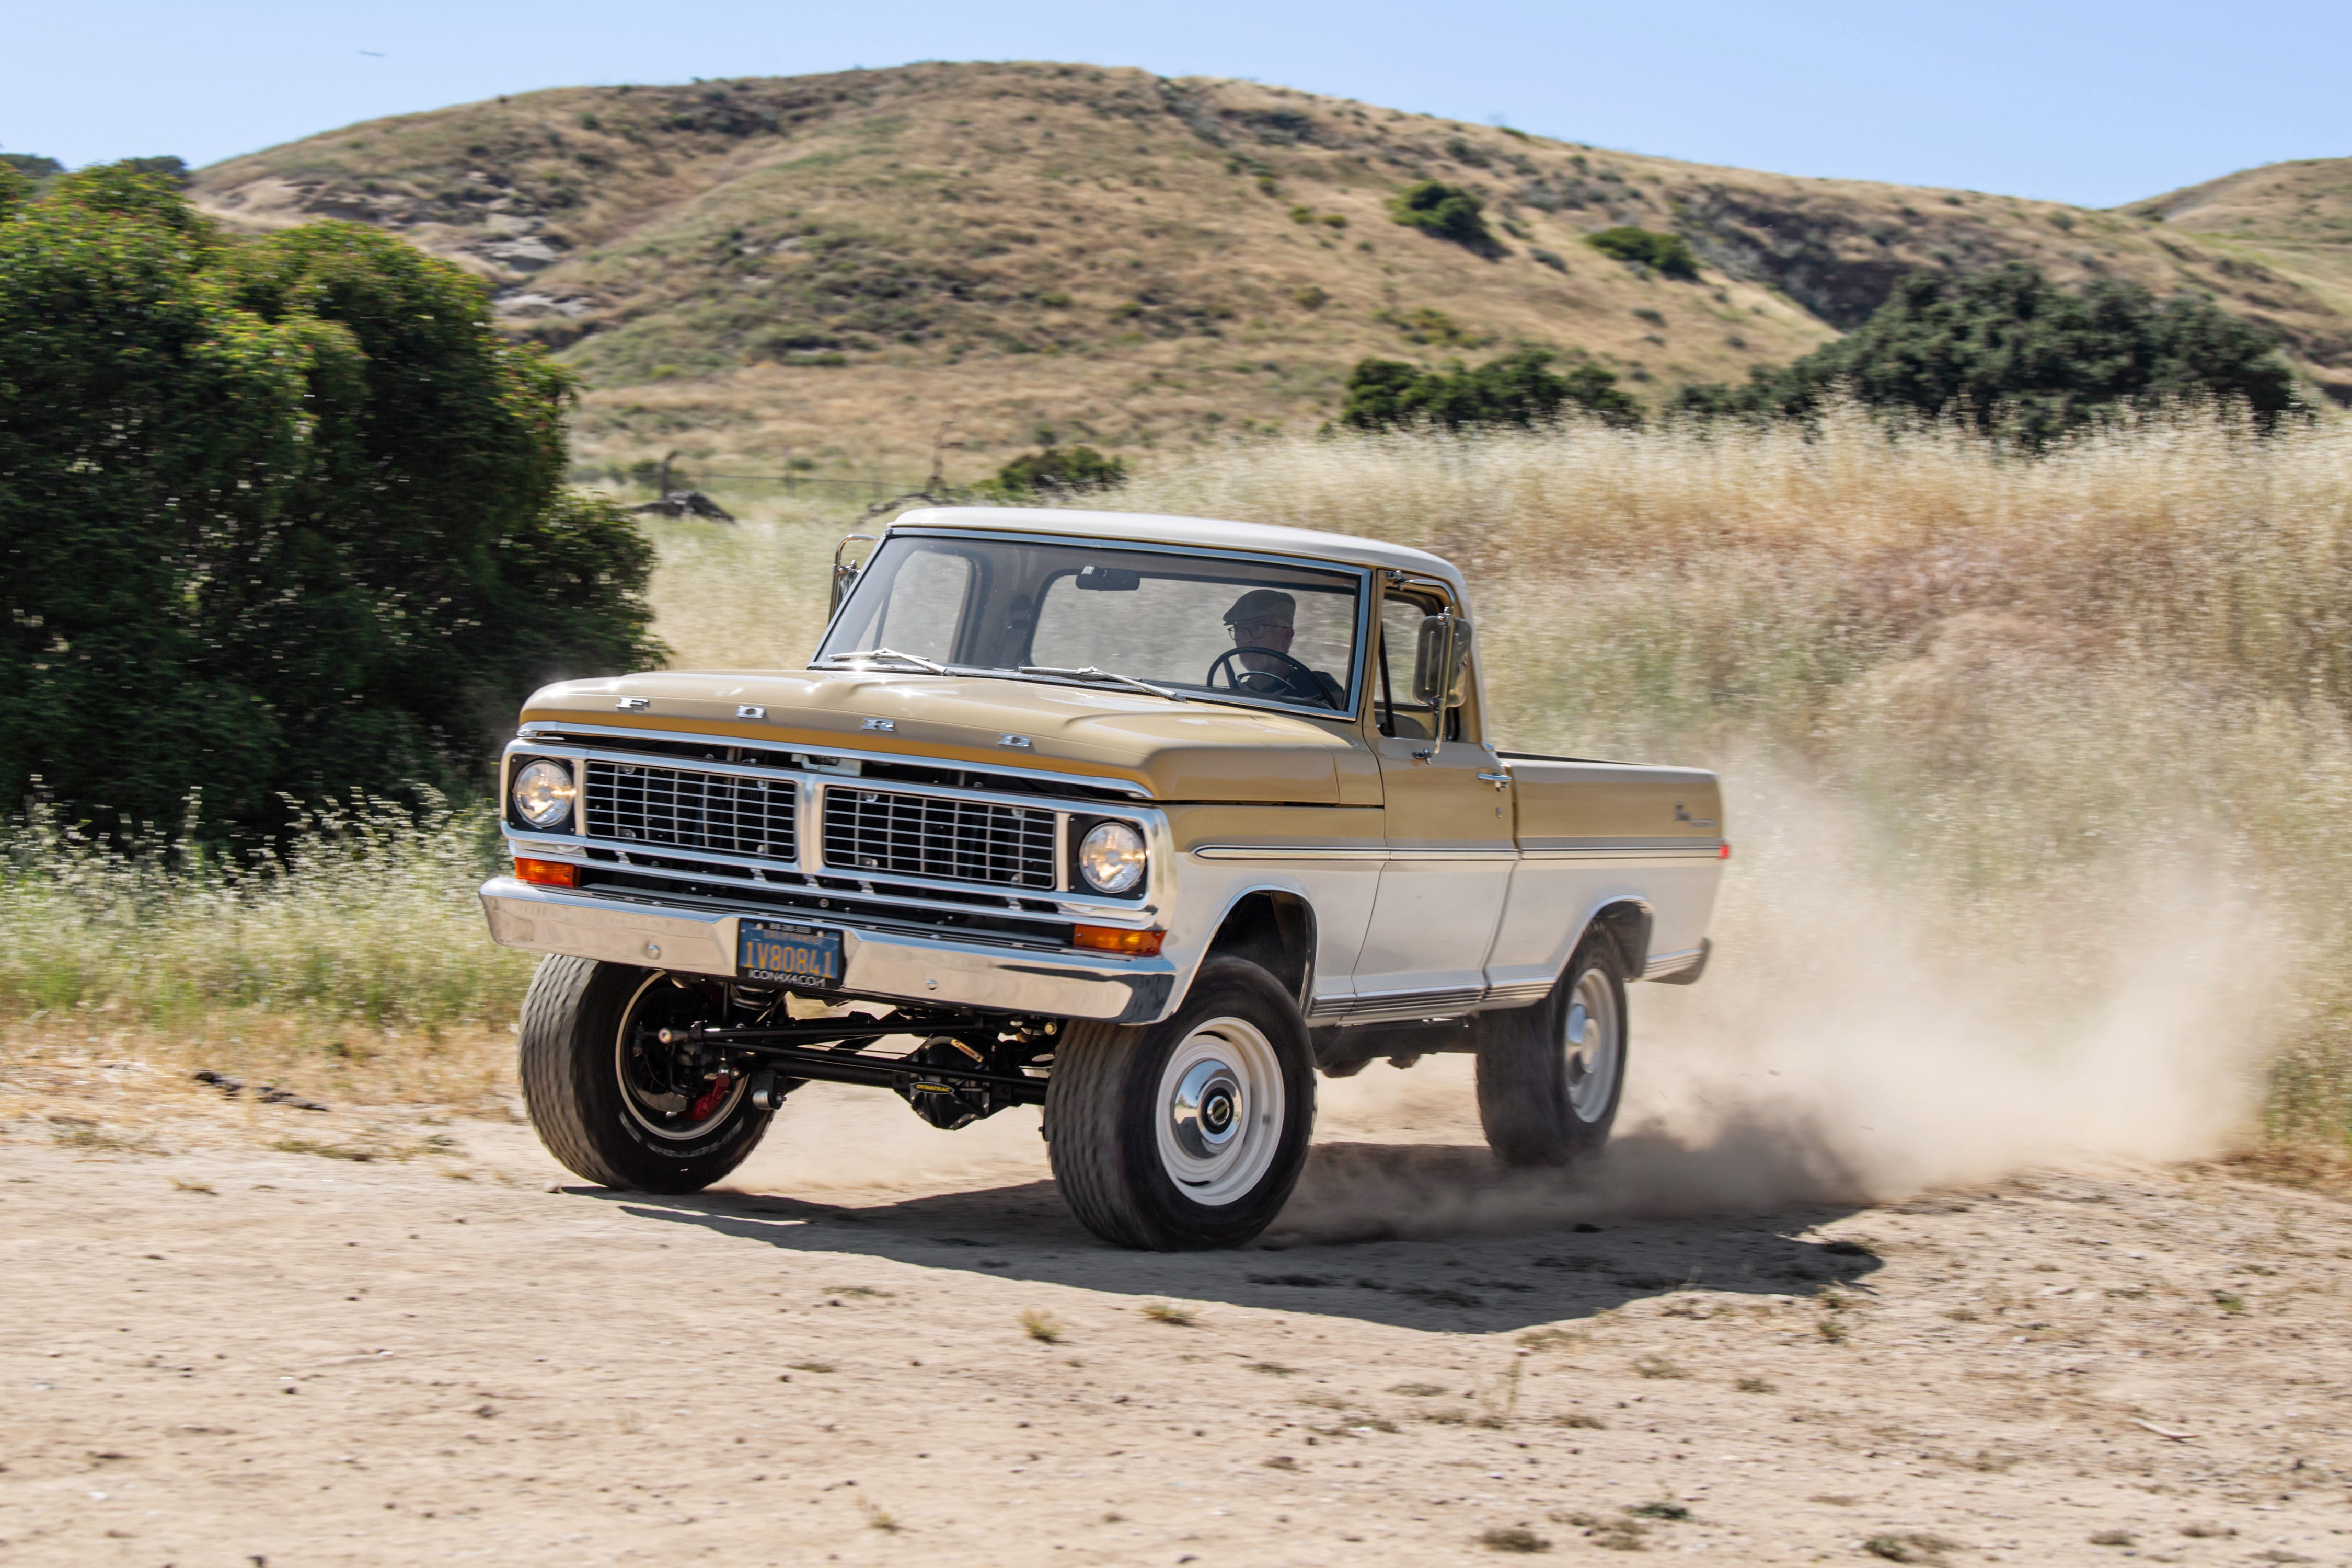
(30, 171)
(1059, 470)
(176, 170)
(1449, 211)
(1520, 389)
(2014, 354)
(1667, 253)
(277, 517)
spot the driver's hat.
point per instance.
(1263, 605)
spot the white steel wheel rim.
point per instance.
(637, 1101)
(1594, 1041)
(1218, 1113)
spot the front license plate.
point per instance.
(789, 954)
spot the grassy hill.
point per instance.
(2283, 230)
(826, 270)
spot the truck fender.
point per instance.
(1273, 926)
(1626, 920)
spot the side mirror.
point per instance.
(1440, 661)
(844, 572)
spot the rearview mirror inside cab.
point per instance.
(1109, 579)
(1440, 661)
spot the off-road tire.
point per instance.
(571, 1019)
(1527, 1099)
(1107, 1097)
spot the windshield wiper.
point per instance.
(1091, 673)
(915, 660)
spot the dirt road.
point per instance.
(228, 1354)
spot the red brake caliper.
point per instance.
(710, 1098)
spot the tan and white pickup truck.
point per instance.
(1144, 819)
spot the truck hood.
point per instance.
(1176, 751)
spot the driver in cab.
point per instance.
(1263, 623)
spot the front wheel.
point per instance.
(1550, 1076)
(1190, 1133)
(609, 1100)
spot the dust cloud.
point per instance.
(1851, 1044)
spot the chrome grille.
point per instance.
(721, 812)
(934, 836)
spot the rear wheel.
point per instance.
(609, 1100)
(1550, 1076)
(1189, 1133)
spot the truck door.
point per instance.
(1450, 832)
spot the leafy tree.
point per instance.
(168, 168)
(1449, 211)
(277, 517)
(36, 169)
(1520, 388)
(1060, 471)
(2016, 355)
(1667, 253)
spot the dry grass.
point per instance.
(355, 973)
(1181, 1316)
(1043, 1326)
(2033, 689)
(2037, 688)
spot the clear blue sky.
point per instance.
(2093, 103)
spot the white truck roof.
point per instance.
(1151, 527)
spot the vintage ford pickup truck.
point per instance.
(1142, 819)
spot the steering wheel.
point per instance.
(1303, 686)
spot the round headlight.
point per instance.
(1110, 857)
(543, 794)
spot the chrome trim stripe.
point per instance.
(1284, 852)
(1409, 853)
(1707, 847)
(1670, 963)
(1391, 1006)
(1318, 852)
(532, 731)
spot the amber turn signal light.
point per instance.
(1118, 939)
(547, 873)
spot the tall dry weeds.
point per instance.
(2035, 700)
(2075, 724)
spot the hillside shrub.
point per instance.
(1059, 471)
(278, 518)
(1520, 389)
(1668, 254)
(1428, 325)
(1449, 211)
(2015, 354)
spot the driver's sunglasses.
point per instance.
(1257, 634)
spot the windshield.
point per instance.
(1193, 625)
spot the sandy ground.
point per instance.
(229, 1353)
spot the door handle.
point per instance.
(1500, 780)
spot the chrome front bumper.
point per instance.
(887, 964)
